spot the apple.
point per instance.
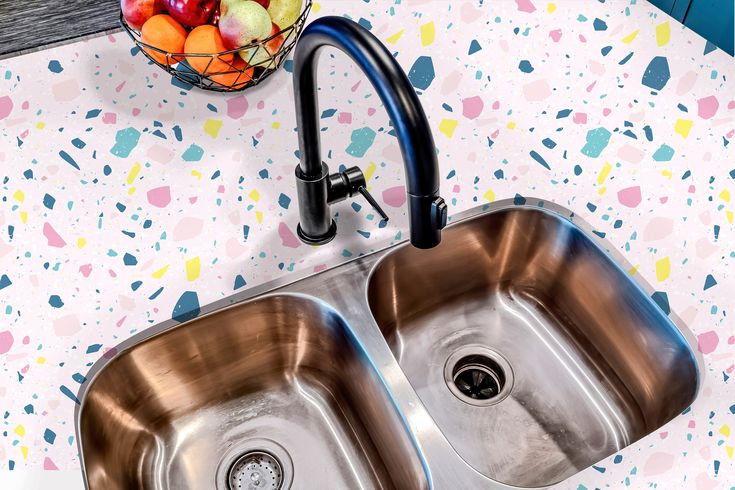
(243, 22)
(284, 12)
(136, 12)
(264, 3)
(263, 56)
(215, 17)
(191, 13)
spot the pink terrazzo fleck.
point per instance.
(159, 197)
(472, 107)
(707, 342)
(52, 237)
(395, 196)
(288, 239)
(237, 107)
(630, 197)
(707, 107)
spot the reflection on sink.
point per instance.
(533, 352)
(280, 380)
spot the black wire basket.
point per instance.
(224, 72)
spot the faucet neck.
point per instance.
(390, 82)
(427, 211)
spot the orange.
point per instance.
(163, 32)
(240, 74)
(206, 39)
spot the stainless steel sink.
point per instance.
(555, 356)
(260, 395)
(517, 352)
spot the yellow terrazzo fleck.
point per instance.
(428, 33)
(133, 173)
(193, 268)
(447, 127)
(212, 127)
(370, 170)
(395, 37)
(630, 37)
(663, 34)
(604, 173)
(663, 269)
(683, 126)
(160, 272)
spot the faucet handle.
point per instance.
(347, 184)
(371, 200)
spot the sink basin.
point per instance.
(273, 391)
(515, 353)
(532, 351)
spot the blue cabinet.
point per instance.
(711, 19)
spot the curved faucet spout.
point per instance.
(427, 211)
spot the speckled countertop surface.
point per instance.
(127, 200)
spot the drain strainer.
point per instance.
(255, 470)
(478, 376)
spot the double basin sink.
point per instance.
(514, 354)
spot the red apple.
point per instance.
(136, 12)
(191, 13)
(275, 44)
(264, 3)
(215, 17)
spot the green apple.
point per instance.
(284, 12)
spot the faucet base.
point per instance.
(317, 240)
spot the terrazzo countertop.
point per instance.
(128, 199)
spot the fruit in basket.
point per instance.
(207, 40)
(136, 12)
(215, 17)
(284, 12)
(264, 55)
(191, 13)
(234, 76)
(163, 32)
(243, 22)
(264, 3)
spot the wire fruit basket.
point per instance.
(228, 71)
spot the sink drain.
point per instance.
(254, 464)
(478, 376)
(255, 470)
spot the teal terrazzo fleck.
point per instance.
(187, 307)
(125, 141)
(422, 73)
(597, 140)
(657, 73)
(664, 153)
(55, 67)
(193, 154)
(362, 140)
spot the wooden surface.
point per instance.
(28, 24)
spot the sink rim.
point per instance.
(429, 442)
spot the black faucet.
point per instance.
(317, 188)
